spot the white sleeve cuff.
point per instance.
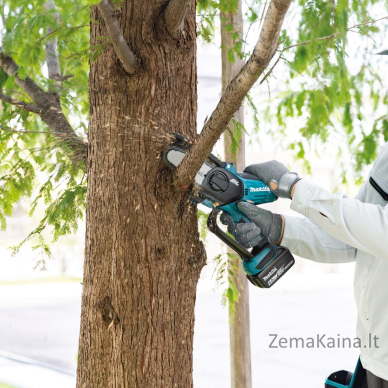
(291, 235)
(303, 192)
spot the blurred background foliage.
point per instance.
(327, 49)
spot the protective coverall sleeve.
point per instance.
(306, 239)
(363, 226)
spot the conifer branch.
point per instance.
(50, 111)
(20, 104)
(3, 128)
(332, 36)
(27, 84)
(238, 88)
(126, 56)
(174, 16)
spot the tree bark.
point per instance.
(174, 16)
(239, 330)
(143, 256)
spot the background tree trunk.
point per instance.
(240, 348)
(143, 256)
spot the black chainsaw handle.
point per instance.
(214, 228)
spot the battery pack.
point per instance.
(272, 272)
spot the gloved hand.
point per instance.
(276, 176)
(270, 225)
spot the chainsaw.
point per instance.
(218, 186)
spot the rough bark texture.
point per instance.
(240, 347)
(174, 16)
(143, 256)
(236, 91)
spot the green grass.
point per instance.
(58, 279)
(2, 385)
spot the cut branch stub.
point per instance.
(235, 93)
(174, 16)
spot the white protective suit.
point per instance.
(338, 230)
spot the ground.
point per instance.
(41, 322)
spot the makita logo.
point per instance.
(273, 270)
(234, 181)
(279, 274)
(258, 189)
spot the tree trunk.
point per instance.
(239, 330)
(143, 256)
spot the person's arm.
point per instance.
(306, 239)
(300, 235)
(360, 225)
(361, 195)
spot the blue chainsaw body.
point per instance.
(257, 193)
(221, 187)
(266, 262)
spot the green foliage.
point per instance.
(62, 213)
(29, 154)
(329, 78)
(225, 275)
(63, 192)
(254, 112)
(225, 270)
(206, 27)
(3, 385)
(327, 89)
(17, 177)
(235, 135)
(28, 26)
(202, 222)
(208, 11)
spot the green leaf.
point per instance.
(22, 73)
(230, 56)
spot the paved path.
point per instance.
(41, 322)
(22, 372)
(300, 306)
